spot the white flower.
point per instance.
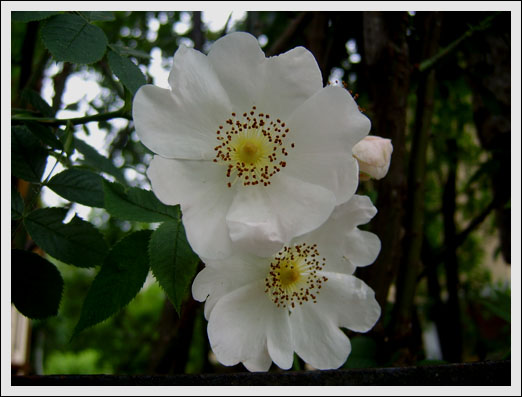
(374, 155)
(254, 149)
(261, 310)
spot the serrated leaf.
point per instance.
(119, 280)
(71, 38)
(36, 285)
(37, 102)
(82, 186)
(98, 15)
(17, 205)
(28, 16)
(135, 204)
(77, 243)
(95, 160)
(129, 74)
(172, 261)
(44, 134)
(28, 156)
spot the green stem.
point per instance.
(122, 113)
(430, 63)
(296, 365)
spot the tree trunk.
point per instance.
(401, 325)
(386, 55)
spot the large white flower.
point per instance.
(261, 310)
(254, 149)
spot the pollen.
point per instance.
(252, 147)
(294, 277)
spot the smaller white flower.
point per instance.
(261, 310)
(373, 154)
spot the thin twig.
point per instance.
(431, 62)
(121, 113)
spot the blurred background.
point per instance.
(438, 84)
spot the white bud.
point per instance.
(373, 154)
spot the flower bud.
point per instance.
(373, 154)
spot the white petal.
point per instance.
(201, 102)
(279, 339)
(260, 363)
(239, 64)
(261, 219)
(160, 128)
(220, 277)
(328, 122)
(336, 172)
(348, 302)
(238, 322)
(291, 78)
(200, 189)
(318, 340)
(358, 211)
(340, 242)
(361, 247)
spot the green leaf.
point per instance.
(77, 243)
(71, 38)
(172, 261)
(28, 156)
(17, 205)
(119, 280)
(129, 74)
(98, 15)
(37, 102)
(28, 16)
(79, 185)
(135, 204)
(36, 285)
(44, 134)
(95, 160)
(127, 51)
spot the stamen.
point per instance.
(250, 147)
(293, 276)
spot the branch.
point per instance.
(282, 43)
(437, 255)
(122, 113)
(463, 235)
(431, 62)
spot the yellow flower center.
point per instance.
(252, 147)
(293, 276)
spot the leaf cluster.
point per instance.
(155, 242)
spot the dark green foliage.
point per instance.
(98, 15)
(136, 204)
(98, 162)
(71, 38)
(28, 16)
(37, 102)
(76, 184)
(36, 285)
(128, 73)
(44, 134)
(172, 261)
(77, 243)
(17, 205)
(118, 281)
(28, 157)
